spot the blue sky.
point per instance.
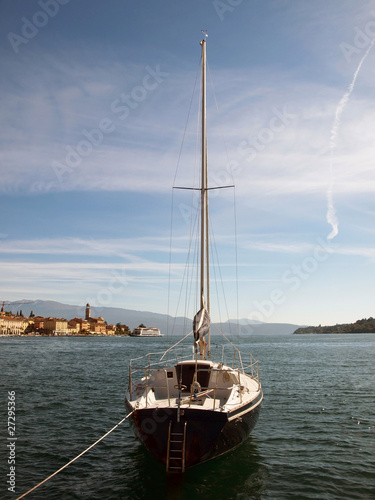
(94, 103)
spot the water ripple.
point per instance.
(314, 438)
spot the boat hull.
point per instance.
(209, 433)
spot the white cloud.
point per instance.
(121, 248)
(278, 134)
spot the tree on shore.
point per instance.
(122, 329)
(360, 326)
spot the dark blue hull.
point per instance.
(208, 433)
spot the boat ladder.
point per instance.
(176, 449)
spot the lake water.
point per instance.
(315, 438)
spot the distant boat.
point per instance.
(146, 332)
(189, 408)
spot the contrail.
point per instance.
(331, 212)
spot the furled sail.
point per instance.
(201, 324)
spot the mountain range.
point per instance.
(132, 318)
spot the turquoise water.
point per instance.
(315, 437)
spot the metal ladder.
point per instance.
(176, 449)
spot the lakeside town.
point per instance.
(18, 324)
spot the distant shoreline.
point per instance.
(365, 325)
(64, 335)
(332, 333)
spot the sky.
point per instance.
(98, 122)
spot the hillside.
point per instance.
(360, 326)
(132, 318)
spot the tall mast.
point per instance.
(204, 177)
(204, 276)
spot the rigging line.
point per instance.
(196, 296)
(215, 280)
(221, 126)
(172, 198)
(170, 263)
(226, 338)
(194, 222)
(233, 345)
(234, 193)
(236, 260)
(185, 279)
(186, 123)
(189, 266)
(216, 255)
(186, 336)
(197, 212)
(193, 214)
(190, 261)
(185, 276)
(78, 456)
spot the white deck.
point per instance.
(227, 389)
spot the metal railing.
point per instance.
(152, 362)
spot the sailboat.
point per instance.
(186, 407)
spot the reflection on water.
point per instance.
(233, 475)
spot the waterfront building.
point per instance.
(56, 326)
(81, 325)
(88, 312)
(13, 325)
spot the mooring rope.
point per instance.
(74, 459)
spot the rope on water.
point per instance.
(74, 459)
